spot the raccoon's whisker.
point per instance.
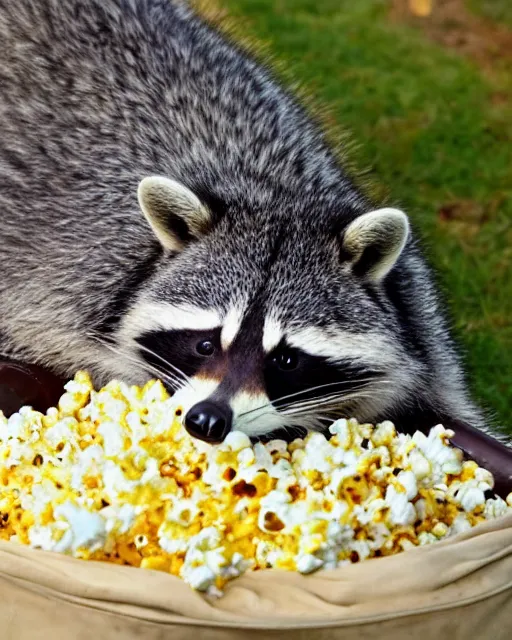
(307, 411)
(324, 386)
(299, 416)
(175, 369)
(313, 419)
(173, 381)
(174, 373)
(321, 399)
(308, 390)
(98, 337)
(314, 402)
(338, 402)
(293, 431)
(296, 408)
(310, 423)
(333, 400)
(294, 428)
(319, 418)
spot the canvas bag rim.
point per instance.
(283, 626)
(494, 535)
(135, 611)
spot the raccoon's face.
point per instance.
(269, 323)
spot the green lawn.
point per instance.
(432, 132)
(499, 10)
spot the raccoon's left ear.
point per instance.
(373, 242)
(175, 214)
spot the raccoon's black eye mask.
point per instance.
(188, 350)
(284, 372)
(311, 376)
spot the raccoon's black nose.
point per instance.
(209, 421)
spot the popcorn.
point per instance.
(113, 475)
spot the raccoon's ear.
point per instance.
(373, 242)
(175, 214)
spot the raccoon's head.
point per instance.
(270, 321)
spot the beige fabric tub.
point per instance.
(460, 588)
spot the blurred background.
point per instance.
(424, 88)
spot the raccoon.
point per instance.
(169, 210)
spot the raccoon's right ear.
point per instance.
(373, 242)
(175, 214)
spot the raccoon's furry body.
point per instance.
(255, 248)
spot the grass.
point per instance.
(499, 10)
(433, 133)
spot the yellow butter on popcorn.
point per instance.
(112, 475)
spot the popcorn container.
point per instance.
(460, 587)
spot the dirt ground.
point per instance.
(451, 24)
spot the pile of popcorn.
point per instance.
(113, 475)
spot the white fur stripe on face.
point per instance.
(272, 334)
(231, 327)
(263, 417)
(152, 316)
(334, 345)
(197, 390)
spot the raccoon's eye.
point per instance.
(286, 360)
(205, 348)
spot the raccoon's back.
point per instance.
(96, 94)
(71, 148)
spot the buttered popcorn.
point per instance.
(112, 475)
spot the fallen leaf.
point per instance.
(421, 8)
(463, 210)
